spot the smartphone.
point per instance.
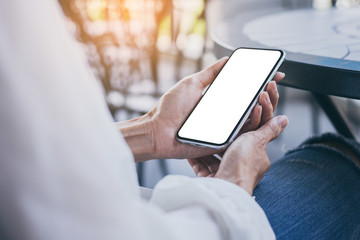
(226, 104)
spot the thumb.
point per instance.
(272, 128)
(207, 75)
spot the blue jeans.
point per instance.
(313, 192)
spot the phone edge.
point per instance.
(238, 128)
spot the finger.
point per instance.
(208, 75)
(278, 76)
(200, 169)
(211, 162)
(271, 89)
(267, 107)
(192, 161)
(272, 129)
(254, 120)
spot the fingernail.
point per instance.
(283, 120)
(282, 74)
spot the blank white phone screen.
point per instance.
(231, 93)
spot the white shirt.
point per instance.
(66, 172)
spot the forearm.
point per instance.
(139, 136)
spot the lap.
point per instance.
(313, 192)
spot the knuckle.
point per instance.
(262, 141)
(274, 129)
(188, 80)
(258, 139)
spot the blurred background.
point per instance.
(138, 49)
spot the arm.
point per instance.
(66, 173)
(152, 136)
(138, 135)
(232, 207)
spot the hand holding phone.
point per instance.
(227, 103)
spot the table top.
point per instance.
(322, 47)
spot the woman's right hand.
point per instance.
(245, 162)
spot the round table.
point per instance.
(322, 47)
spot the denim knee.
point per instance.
(315, 142)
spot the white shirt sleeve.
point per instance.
(66, 173)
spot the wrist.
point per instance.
(246, 186)
(243, 182)
(139, 135)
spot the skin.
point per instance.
(152, 136)
(245, 162)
